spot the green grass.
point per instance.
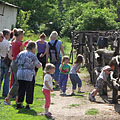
(74, 105)
(92, 111)
(11, 113)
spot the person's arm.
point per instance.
(47, 85)
(47, 53)
(61, 48)
(38, 66)
(61, 66)
(21, 47)
(10, 54)
(44, 52)
(111, 76)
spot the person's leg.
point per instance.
(79, 83)
(61, 82)
(21, 91)
(72, 77)
(2, 72)
(15, 87)
(65, 78)
(47, 99)
(29, 92)
(56, 74)
(43, 61)
(6, 81)
(95, 90)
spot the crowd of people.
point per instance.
(19, 60)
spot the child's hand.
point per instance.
(51, 90)
(77, 71)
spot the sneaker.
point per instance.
(91, 97)
(48, 115)
(6, 103)
(27, 107)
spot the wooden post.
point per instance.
(115, 75)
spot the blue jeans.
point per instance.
(56, 74)
(4, 73)
(75, 80)
(63, 81)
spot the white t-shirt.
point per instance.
(4, 47)
(48, 78)
(103, 76)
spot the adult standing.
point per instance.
(1, 36)
(26, 61)
(54, 49)
(17, 47)
(41, 50)
(1, 39)
(4, 48)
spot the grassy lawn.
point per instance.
(92, 111)
(11, 113)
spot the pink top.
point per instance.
(16, 48)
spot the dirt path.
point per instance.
(75, 107)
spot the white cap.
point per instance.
(106, 67)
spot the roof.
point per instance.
(8, 4)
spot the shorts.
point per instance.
(99, 84)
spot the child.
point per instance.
(106, 70)
(63, 76)
(48, 87)
(73, 74)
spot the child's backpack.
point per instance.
(53, 52)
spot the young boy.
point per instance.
(106, 70)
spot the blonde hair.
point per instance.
(53, 35)
(65, 58)
(48, 67)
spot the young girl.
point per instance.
(74, 76)
(48, 87)
(63, 76)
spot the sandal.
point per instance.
(6, 102)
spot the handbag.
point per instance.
(7, 61)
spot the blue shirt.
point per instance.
(58, 44)
(26, 62)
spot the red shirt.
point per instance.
(16, 48)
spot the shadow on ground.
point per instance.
(117, 108)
